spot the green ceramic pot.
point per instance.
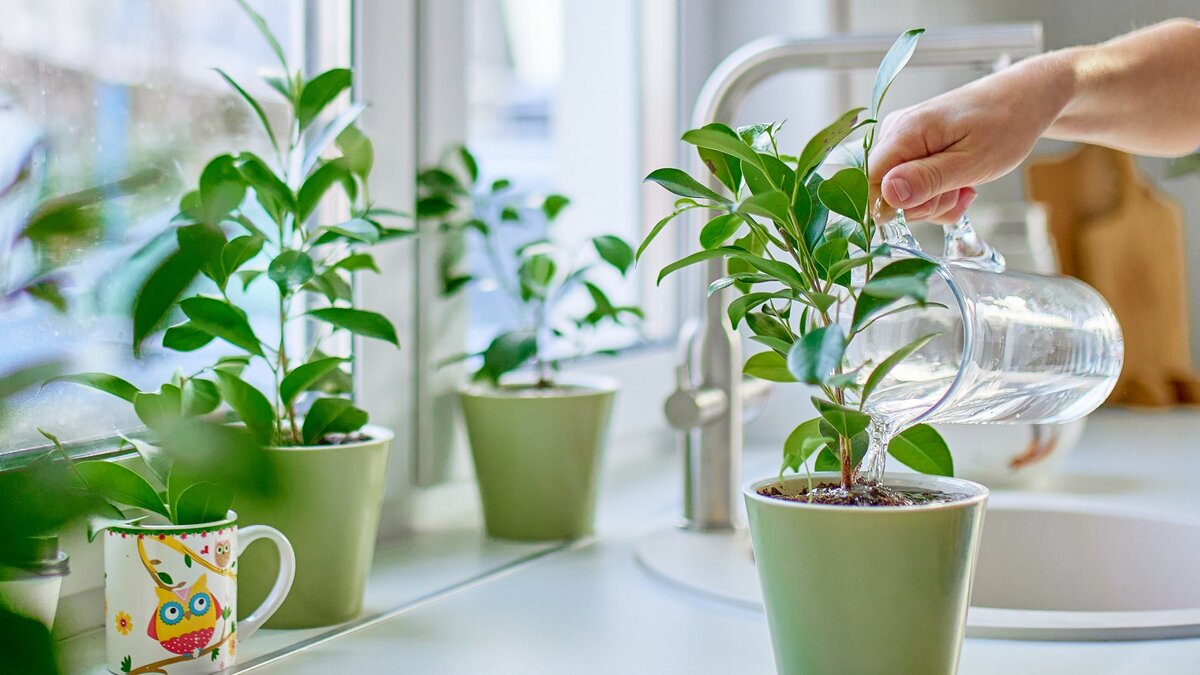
(867, 589)
(328, 505)
(537, 454)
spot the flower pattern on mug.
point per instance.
(124, 623)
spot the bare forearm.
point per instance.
(1139, 92)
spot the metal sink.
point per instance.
(1050, 568)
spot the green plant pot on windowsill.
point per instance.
(537, 454)
(327, 502)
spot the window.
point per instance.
(118, 86)
(554, 94)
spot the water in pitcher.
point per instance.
(1020, 348)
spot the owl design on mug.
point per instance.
(222, 553)
(186, 618)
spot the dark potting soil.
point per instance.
(833, 494)
(343, 439)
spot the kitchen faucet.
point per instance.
(712, 395)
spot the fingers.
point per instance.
(944, 208)
(915, 182)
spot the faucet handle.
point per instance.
(690, 407)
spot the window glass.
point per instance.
(116, 87)
(553, 91)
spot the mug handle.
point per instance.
(283, 582)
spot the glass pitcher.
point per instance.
(1010, 347)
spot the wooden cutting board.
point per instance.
(1114, 230)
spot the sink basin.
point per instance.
(1050, 568)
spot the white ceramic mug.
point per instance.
(170, 595)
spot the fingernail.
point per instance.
(902, 189)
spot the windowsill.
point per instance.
(444, 551)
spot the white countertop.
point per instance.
(590, 608)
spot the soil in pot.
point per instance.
(871, 494)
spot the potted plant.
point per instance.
(535, 436)
(254, 220)
(862, 571)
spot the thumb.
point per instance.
(916, 182)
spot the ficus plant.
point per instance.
(254, 220)
(804, 253)
(535, 277)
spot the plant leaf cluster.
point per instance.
(253, 220)
(801, 246)
(535, 276)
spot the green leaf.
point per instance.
(768, 366)
(891, 65)
(775, 175)
(219, 318)
(359, 322)
(718, 230)
(830, 253)
(320, 92)
(327, 135)
(469, 163)
(153, 456)
(867, 307)
(903, 308)
(553, 205)
(773, 205)
(804, 440)
(819, 147)
(266, 33)
(679, 182)
(250, 100)
(802, 211)
(658, 227)
(203, 502)
(357, 262)
(903, 278)
(355, 229)
(290, 269)
(305, 377)
(892, 361)
(814, 227)
(255, 411)
(614, 251)
(121, 485)
(780, 345)
(331, 416)
(155, 409)
(109, 384)
(846, 193)
(765, 325)
(923, 449)
(166, 578)
(198, 246)
(185, 337)
(699, 256)
(743, 277)
(506, 353)
(221, 189)
(728, 170)
(238, 251)
(187, 560)
(199, 397)
(847, 422)
(358, 155)
(716, 139)
(743, 304)
(270, 191)
(48, 291)
(317, 184)
(814, 357)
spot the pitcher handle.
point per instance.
(965, 247)
(283, 582)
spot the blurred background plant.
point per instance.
(533, 273)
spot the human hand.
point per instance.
(928, 157)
